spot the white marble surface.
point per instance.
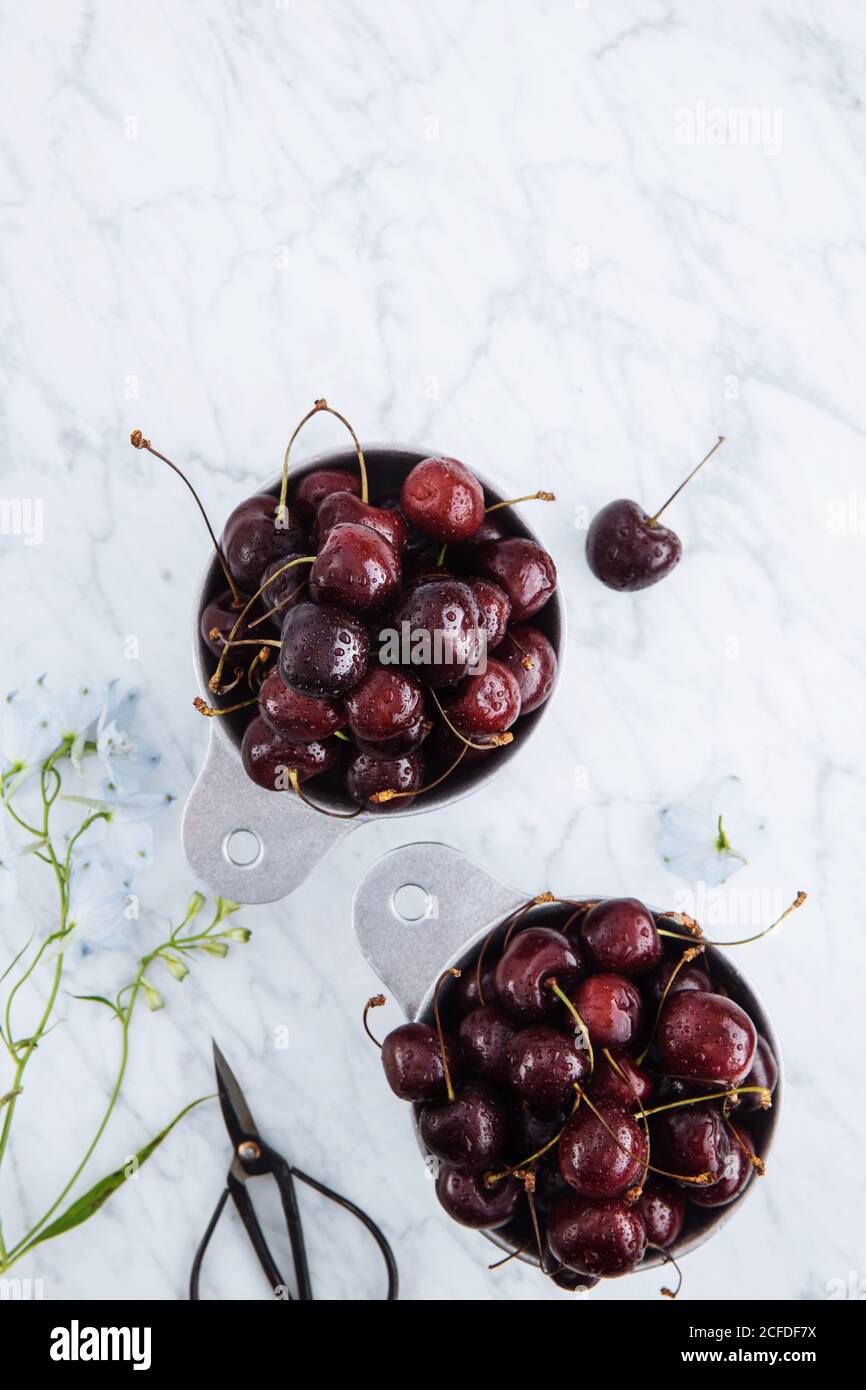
(475, 224)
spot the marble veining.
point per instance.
(570, 243)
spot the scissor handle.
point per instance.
(365, 1220)
(241, 1198)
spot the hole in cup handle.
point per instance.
(245, 843)
(417, 908)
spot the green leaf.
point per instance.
(12, 964)
(98, 999)
(87, 1206)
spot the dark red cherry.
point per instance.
(543, 1066)
(217, 620)
(324, 650)
(736, 1171)
(485, 704)
(447, 747)
(532, 661)
(365, 776)
(443, 499)
(342, 508)
(568, 1279)
(620, 935)
(324, 482)
(523, 569)
(387, 702)
(625, 551)
(591, 1161)
(268, 759)
(443, 626)
(603, 1238)
(533, 957)
(764, 1072)
(628, 1087)
(288, 588)
(663, 1209)
(416, 542)
(484, 1037)
(470, 1131)
(467, 1198)
(495, 607)
(689, 976)
(461, 558)
(252, 539)
(690, 1141)
(610, 1006)
(549, 1182)
(465, 996)
(531, 1129)
(400, 744)
(412, 1059)
(705, 1037)
(293, 716)
(355, 568)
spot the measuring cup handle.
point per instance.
(462, 902)
(291, 838)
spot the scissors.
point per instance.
(253, 1158)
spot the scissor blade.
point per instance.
(236, 1113)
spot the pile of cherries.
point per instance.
(585, 1088)
(329, 571)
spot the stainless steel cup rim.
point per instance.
(471, 902)
(396, 459)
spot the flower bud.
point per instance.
(152, 997)
(237, 934)
(214, 948)
(178, 968)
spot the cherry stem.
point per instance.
(530, 497)
(537, 901)
(318, 406)
(701, 1180)
(138, 441)
(204, 708)
(528, 1180)
(491, 1178)
(508, 924)
(299, 560)
(276, 608)
(261, 658)
(443, 1052)
(757, 1163)
(743, 941)
(635, 1192)
(512, 1255)
(496, 740)
(295, 781)
(526, 661)
(766, 1099)
(668, 1260)
(653, 519)
(686, 956)
(388, 795)
(553, 984)
(262, 642)
(375, 1003)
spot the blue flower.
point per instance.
(29, 732)
(710, 836)
(126, 758)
